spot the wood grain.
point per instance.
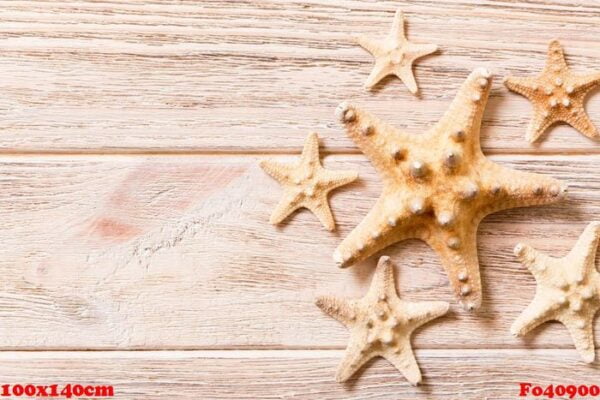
(134, 216)
(448, 374)
(176, 253)
(258, 75)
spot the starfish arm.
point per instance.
(538, 124)
(353, 359)
(539, 311)
(582, 122)
(383, 279)
(406, 363)
(582, 333)
(584, 251)
(371, 45)
(535, 261)
(584, 83)
(458, 256)
(381, 143)
(310, 152)
(380, 70)
(287, 205)
(339, 309)
(336, 179)
(279, 172)
(508, 188)
(323, 212)
(406, 75)
(556, 57)
(397, 33)
(420, 313)
(374, 233)
(418, 50)
(462, 120)
(525, 86)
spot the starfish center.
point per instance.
(397, 55)
(448, 182)
(382, 325)
(559, 92)
(576, 295)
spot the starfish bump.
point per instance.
(381, 324)
(306, 184)
(557, 95)
(438, 186)
(395, 55)
(568, 290)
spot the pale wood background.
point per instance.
(134, 216)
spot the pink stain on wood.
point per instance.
(155, 193)
(112, 229)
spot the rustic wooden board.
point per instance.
(134, 216)
(258, 75)
(167, 252)
(448, 374)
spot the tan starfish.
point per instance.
(438, 186)
(381, 324)
(395, 55)
(306, 184)
(568, 290)
(557, 95)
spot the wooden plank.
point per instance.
(448, 374)
(247, 76)
(176, 252)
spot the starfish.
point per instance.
(557, 95)
(568, 290)
(306, 184)
(438, 186)
(395, 55)
(381, 324)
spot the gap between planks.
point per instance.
(259, 151)
(262, 354)
(278, 349)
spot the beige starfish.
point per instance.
(395, 55)
(568, 290)
(438, 186)
(306, 184)
(381, 324)
(557, 95)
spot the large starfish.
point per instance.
(438, 186)
(395, 55)
(568, 290)
(557, 95)
(381, 324)
(306, 184)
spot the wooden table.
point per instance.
(136, 249)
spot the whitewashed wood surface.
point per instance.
(295, 374)
(136, 245)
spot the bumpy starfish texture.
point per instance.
(568, 290)
(306, 184)
(381, 324)
(557, 95)
(395, 55)
(438, 186)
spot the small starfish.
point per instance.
(395, 55)
(306, 184)
(568, 290)
(438, 186)
(557, 95)
(381, 324)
